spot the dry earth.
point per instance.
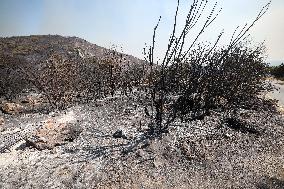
(199, 154)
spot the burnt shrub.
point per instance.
(205, 77)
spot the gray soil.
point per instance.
(199, 154)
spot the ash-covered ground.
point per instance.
(115, 150)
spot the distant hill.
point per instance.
(36, 47)
(275, 62)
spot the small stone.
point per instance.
(119, 134)
(99, 103)
(2, 122)
(128, 110)
(158, 163)
(53, 134)
(140, 153)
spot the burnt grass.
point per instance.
(115, 149)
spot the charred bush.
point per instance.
(205, 77)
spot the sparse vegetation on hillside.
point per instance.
(63, 74)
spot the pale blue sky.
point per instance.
(129, 23)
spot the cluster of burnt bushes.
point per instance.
(65, 79)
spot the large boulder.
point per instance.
(53, 134)
(12, 108)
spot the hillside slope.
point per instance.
(37, 47)
(63, 65)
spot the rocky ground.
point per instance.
(111, 148)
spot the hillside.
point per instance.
(37, 47)
(46, 62)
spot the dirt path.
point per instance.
(278, 94)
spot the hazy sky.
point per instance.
(129, 23)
